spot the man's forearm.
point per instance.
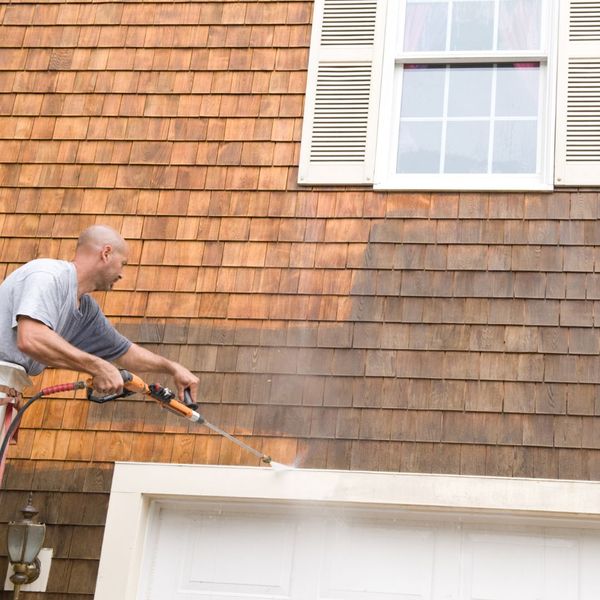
(140, 359)
(44, 345)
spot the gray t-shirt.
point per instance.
(46, 290)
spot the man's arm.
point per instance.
(44, 345)
(139, 359)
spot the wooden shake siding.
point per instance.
(330, 327)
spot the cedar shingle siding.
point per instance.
(331, 328)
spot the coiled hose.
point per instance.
(48, 391)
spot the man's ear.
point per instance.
(106, 252)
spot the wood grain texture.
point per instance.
(330, 328)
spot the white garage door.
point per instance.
(244, 551)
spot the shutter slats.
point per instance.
(583, 111)
(341, 113)
(348, 22)
(338, 138)
(584, 22)
(577, 157)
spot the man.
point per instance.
(47, 317)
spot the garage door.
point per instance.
(242, 550)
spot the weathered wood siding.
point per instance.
(331, 328)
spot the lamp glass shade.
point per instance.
(17, 534)
(25, 541)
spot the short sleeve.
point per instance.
(96, 335)
(37, 298)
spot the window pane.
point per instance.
(472, 26)
(422, 91)
(519, 24)
(463, 116)
(467, 147)
(470, 91)
(517, 91)
(425, 26)
(419, 147)
(515, 147)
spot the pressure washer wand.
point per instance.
(166, 398)
(263, 457)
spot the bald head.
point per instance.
(100, 257)
(97, 236)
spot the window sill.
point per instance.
(463, 183)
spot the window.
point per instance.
(469, 96)
(453, 94)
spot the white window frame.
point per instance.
(138, 488)
(386, 177)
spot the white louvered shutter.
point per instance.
(342, 95)
(577, 158)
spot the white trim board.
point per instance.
(137, 485)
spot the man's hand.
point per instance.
(107, 379)
(185, 379)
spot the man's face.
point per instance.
(114, 259)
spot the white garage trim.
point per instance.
(136, 486)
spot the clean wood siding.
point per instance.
(578, 96)
(342, 97)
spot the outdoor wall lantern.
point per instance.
(25, 539)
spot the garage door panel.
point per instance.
(445, 579)
(372, 561)
(588, 567)
(246, 556)
(562, 575)
(227, 555)
(497, 566)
